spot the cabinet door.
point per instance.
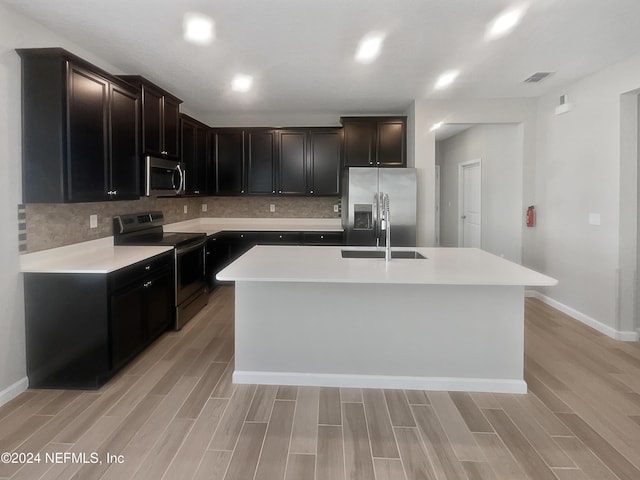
(159, 302)
(358, 144)
(171, 124)
(202, 162)
(217, 257)
(128, 332)
(124, 151)
(292, 162)
(391, 143)
(87, 165)
(152, 121)
(188, 154)
(324, 163)
(260, 158)
(229, 162)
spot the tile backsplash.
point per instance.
(56, 225)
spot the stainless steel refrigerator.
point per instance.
(362, 204)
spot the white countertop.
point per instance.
(95, 256)
(101, 256)
(211, 226)
(443, 266)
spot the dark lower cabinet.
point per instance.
(82, 328)
(141, 307)
(225, 247)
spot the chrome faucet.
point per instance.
(386, 225)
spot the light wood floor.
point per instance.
(174, 414)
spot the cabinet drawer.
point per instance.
(133, 272)
(280, 238)
(322, 238)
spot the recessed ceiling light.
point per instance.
(506, 21)
(446, 79)
(198, 28)
(369, 47)
(241, 83)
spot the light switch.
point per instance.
(594, 219)
(272, 207)
(204, 207)
(185, 209)
(93, 221)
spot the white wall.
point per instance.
(500, 148)
(584, 165)
(573, 164)
(16, 31)
(428, 112)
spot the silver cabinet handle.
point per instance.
(147, 284)
(148, 267)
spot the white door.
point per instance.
(469, 204)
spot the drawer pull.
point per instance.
(148, 267)
(147, 284)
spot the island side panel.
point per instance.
(435, 337)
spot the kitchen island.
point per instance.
(451, 321)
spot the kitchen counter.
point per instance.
(452, 321)
(211, 226)
(95, 256)
(442, 266)
(101, 256)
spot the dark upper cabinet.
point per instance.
(292, 162)
(374, 141)
(80, 131)
(195, 155)
(309, 161)
(358, 143)
(228, 174)
(260, 159)
(160, 118)
(324, 162)
(124, 153)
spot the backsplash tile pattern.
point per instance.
(55, 225)
(298, 207)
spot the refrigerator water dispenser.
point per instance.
(363, 216)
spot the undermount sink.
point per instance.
(411, 254)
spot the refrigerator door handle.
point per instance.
(376, 218)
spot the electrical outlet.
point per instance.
(272, 207)
(335, 208)
(93, 221)
(185, 209)
(204, 207)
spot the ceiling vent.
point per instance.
(537, 77)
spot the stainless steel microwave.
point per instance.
(163, 178)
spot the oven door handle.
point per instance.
(190, 248)
(180, 188)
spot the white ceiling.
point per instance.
(301, 51)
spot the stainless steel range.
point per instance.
(146, 228)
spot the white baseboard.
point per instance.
(625, 336)
(495, 385)
(12, 391)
